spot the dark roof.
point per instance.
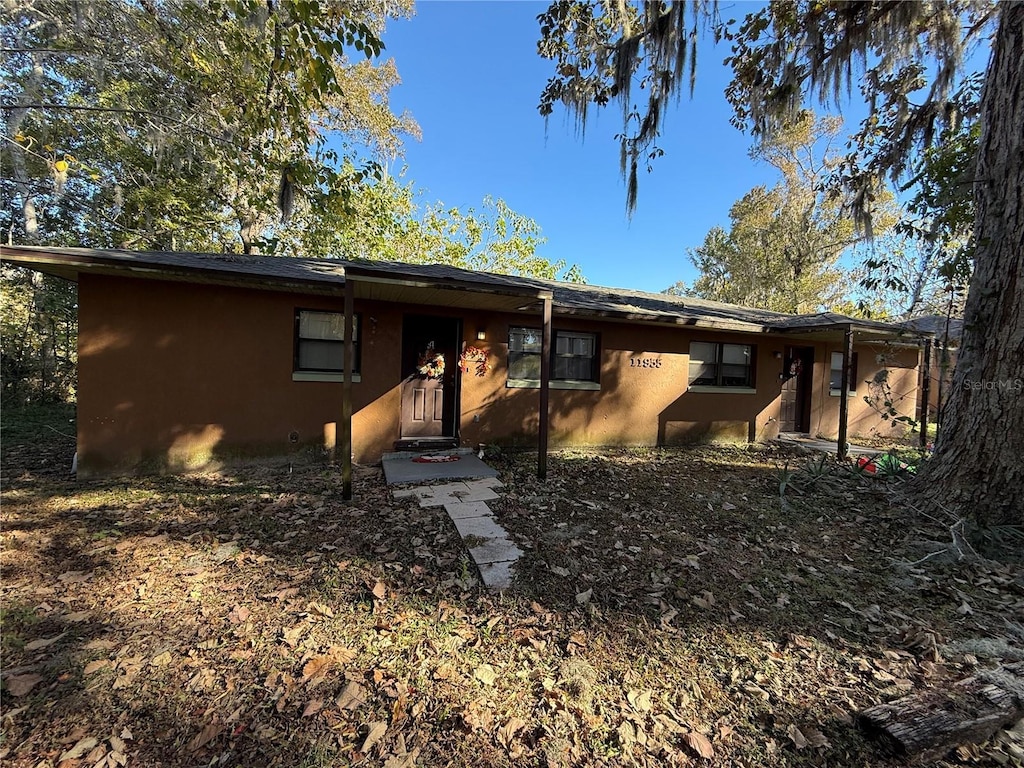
(329, 275)
(935, 325)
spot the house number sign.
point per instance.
(645, 362)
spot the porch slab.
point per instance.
(464, 465)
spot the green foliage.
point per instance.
(38, 337)
(783, 247)
(386, 222)
(188, 125)
(906, 57)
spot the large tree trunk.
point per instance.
(978, 468)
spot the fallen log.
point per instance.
(927, 725)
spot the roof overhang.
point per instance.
(377, 283)
(862, 331)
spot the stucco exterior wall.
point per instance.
(175, 375)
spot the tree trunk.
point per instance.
(927, 725)
(978, 467)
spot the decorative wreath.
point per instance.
(431, 364)
(474, 357)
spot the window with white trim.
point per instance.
(835, 374)
(713, 364)
(574, 355)
(320, 342)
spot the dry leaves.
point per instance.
(374, 734)
(19, 685)
(700, 744)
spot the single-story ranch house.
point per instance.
(186, 358)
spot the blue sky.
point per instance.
(472, 79)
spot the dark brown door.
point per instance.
(798, 364)
(430, 375)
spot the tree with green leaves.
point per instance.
(907, 60)
(388, 222)
(784, 243)
(194, 125)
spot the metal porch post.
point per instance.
(545, 380)
(926, 391)
(346, 395)
(844, 388)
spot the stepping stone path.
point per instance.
(489, 545)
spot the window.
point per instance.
(320, 344)
(721, 365)
(835, 374)
(574, 357)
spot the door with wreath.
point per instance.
(429, 383)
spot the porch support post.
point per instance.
(926, 390)
(545, 380)
(844, 389)
(345, 427)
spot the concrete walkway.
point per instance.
(489, 544)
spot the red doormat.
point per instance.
(435, 459)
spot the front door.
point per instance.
(798, 365)
(429, 375)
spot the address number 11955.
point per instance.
(645, 362)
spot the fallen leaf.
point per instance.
(379, 590)
(209, 732)
(77, 616)
(95, 666)
(19, 685)
(341, 654)
(162, 659)
(375, 734)
(292, 636)
(315, 670)
(313, 707)
(627, 734)
(506, 737)
(36, 645)
(700, 744)
(559, 570)
(797, 737)
(353, 695)
(320, 610)
(815, 737)
(485, 674)
(82, 747)
(639, 700)
(584, 597)
(239, 614)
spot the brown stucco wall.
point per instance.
(175, 375)
(900, 366)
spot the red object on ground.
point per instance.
(867, 464)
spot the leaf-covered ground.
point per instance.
(671, 609)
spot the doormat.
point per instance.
(435, 459)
